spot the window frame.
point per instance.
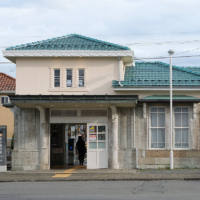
(181, 127)
(156, 127)
(4, 99)
(54, 77)
(71, 78)
(81, 76)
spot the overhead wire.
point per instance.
(162, 33)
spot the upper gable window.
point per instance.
(69, 78)
(81, 79)
(4, 99)
(56, 77)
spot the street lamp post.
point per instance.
(171, 52)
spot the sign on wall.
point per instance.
(3, 143)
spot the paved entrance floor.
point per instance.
(80, 173)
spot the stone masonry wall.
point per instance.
(148, 158)
(126, 153)
(26, 139)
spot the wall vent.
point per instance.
(63, 113)
(96, 113)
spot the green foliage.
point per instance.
(167, 167)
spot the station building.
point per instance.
(75, 85)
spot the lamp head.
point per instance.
(171, 52)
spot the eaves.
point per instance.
(12, 54)
(175, 88)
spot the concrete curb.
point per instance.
(100, 179)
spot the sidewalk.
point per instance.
(80, 173)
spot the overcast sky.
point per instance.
(151, 23)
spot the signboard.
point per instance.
(92, 137)
(3, 143)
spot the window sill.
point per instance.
(69, 90)
(164, 149)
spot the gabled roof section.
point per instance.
(7, 83)
(157, 74)
(70, 42)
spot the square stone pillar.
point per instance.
(113, 142)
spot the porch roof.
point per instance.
(30, 101)
(166, 98)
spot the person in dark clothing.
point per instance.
(80, 146)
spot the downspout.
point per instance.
(120, 73)
(136, 150)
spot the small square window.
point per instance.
(4, 100)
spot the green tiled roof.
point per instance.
(70, 42)
(157, 74)
(168, 97)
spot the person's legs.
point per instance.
(81, 158)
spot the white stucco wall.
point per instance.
(33, 75)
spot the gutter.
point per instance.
(7, 91)
(119, 72)
(154, 89)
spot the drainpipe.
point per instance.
(136, 151)
(120, 73)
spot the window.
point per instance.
(81, 80)
(4, 100)
(157, 127)
(56, 77)
(69, 78)
(181, 127)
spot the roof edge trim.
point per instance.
(153, 88)
(67, 53)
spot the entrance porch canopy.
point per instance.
(85, 101)
(166, 98)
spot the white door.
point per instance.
(97, 146)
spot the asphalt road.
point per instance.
(96, 190)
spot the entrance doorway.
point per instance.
(63, 144)
(97, 146)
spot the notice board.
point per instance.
(3, 144)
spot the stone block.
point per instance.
(129, 153)
(26, 167)
(157, 154)
(34, 167)
(184, 161)
(129, 160)
(17, 168)
(17, 162)
(192, 154)
(142, 166)
(179, 154)
(197, 161)
(162, 161)
(155, 166)
(141, 154)
(30, 161)
(128, 166)
(146, 161)
(35, 155)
